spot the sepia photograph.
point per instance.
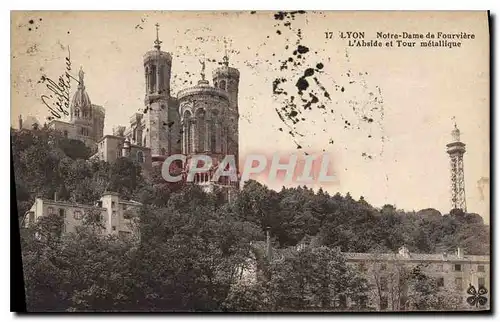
(250, 161)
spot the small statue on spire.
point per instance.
(226, 57)
(202, 62)
(81, 74)
(157, 41)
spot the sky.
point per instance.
(384, 114)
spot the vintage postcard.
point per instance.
(256, 161)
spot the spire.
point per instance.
(157, 41)
(81, 74)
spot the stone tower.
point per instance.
(160, 110)
(227, 79)
(82, 113)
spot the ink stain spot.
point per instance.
(309, 72)
(278, 32)
(302, 49)
(302, 84)
(31, 22)
(319, 66)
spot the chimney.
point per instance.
(269, 251)
(460, 252)
(20, 122)
(55, 196)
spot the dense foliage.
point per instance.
(193, 245)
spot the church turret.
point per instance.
(82, 113)
(161, 110)
(227, 79)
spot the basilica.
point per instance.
(202, 119)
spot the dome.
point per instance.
(203, 88)
(81, 98)
(225, 70)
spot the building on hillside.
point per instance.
(385, 274)
(86, 119)
(116, 214)
(201, 119)
(453, 273)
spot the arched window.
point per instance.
(186, 132)
(140, 157)
(77, 112)
(152, 79)
(144, 141)
(147, 79)
(163, 152)
(223, 85)
(161, 80)
(201, 129)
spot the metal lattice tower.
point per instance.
(456, 150)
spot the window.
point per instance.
(114, 214)
(481, 282)
(127, 215)
(62, 213)
(383, 267)
(77, 112)
(440, 267)
(140, 157)
(112, 204)
(458, 267)
(440, 282)
(223, 85)
(458, 283)
(480, 268)
(361, 267)
(113, 227)
(124, 207)
(50, 210)
(77, 215)
(65, 133)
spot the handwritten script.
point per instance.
(58, 100)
